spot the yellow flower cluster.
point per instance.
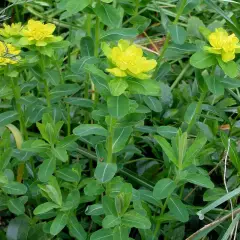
(39, 34)
(128, 60)
(8, 54)
(223, 44)
(34, 33)
(11, 30)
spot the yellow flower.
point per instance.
(12, 30)
(223, 44)
(39, 34)
(129, 60)
(8, 54)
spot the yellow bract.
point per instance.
(129, 60)
(223, 44)
(8, 54)
(12, 30)
(39, 34)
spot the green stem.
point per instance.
(95, 95)
(86, 87)
(136, 7)
(59, 71)
(180, 11)
(46, 87)
(168, 37)
(47, 94)
(198, 111)
(180, 76)
(233, 94)
(158, 225)
(68, 121)
(16, 93)
(110, 141)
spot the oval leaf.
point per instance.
(104, 172)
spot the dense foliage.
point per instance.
(119, 119)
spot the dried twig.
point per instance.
(212, 224)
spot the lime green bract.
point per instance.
(128, 59)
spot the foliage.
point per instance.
(119, 119)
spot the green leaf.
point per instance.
(52, 77)
(36, 146)
(93, 188)
(68, 175)
(16, 206)
(141, 23)
(131, 119)
(133, 219)
(164, 188)
(5, 158)
(206, 130)
(80, 102)
(230, 82)
(194, 23)
(46, 169)
(118, 86)
(124, 198)
(73, 6)
(190, 112)
(179, 51)
(44, 208)
(167, 149)
(213, 194)
(60, 153)
(167, 131)
(102, 234)
(178, 209)
(120, 138)
(178, 34)
(94, 210)
(52, 190)
(121, 233)
(59, 223)
(78, 67)
(202, 60)
(111, 221)
(118, 106)
(117, 34)
(148, 197)
(233, 153)
(90, 129)
(194, 150)
(8, 117)
(75, 228)
(199, 179)
(14, 188)
(229, 68)
(87, 46)
(64, 90)
(18, 228)
(104, 172)
(109, 206)
(215, 85)
(146, 87)
(153, 103)
(72, 201)
(109, 15)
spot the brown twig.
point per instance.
(216, 222)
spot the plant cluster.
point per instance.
(117, 123)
